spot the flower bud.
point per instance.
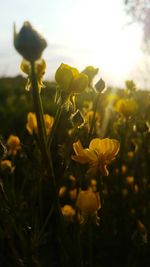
(88, 202)
(29, 43)
(68, 212)
(70, 80)
(77, 119)
(100, 86)
(13, 144)
(90, 71)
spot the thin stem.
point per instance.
(41, 127)
(57, 117)
(38, 106)
(46, 155)
(45, 223)
(93, 118)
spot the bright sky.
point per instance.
(79, 33)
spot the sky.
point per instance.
(79, 33)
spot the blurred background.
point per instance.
(110, 35)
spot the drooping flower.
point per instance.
(88, 204)
(13, 144)
(88, 201)
(40, 67)
(32, 126)
(70, 80)
(29, 43)
(99, 155)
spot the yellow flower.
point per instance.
(126, 107)
(130, 180)
(136, 188)
(6, 165)
(93, 185)
(99, 154)
(49, 120)
(68, 212)
(79, 83)
(13, 144)
(123, 168)
(88, 204)
(70, 80)
(90, 71)
(130, 154)
(32, 126)
(29, 43)
(73, 194)
(62, 191)
(88, 201)
(40, 67)
(110, 100)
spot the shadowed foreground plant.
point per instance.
(50, 204)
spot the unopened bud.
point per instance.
(100, 86)
(77, 119)
(29, 43)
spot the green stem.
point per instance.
(46, 155)
(56, 121)
(93, 118)
(41, 127)
(45, 224)
(38, 106)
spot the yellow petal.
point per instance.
(79, 83)
(25, 66)
(49, 120)
(81, 155)
(113, 150)
(64, 76)
(40, 66)
(78, 148)
(105, 146)
(88, 202)
(31, 125)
